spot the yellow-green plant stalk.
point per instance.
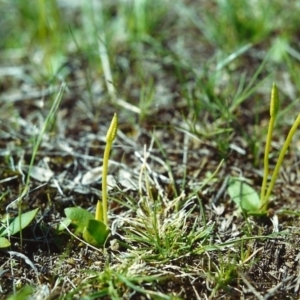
(274, 107)
(281, 156)
(101, 210)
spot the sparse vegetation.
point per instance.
(95, 230)
(244, 195)
(190, 83)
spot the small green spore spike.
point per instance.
(112, 130)
(110, 136)
(274, 105)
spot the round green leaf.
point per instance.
(20, 222)
(243, 195)
(79, 217)
(96, 233)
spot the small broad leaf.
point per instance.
(4, 243)
(96, 233)
(79, 217)
(63, 224)
(243, 195)
(20, 222)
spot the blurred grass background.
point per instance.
(204, 68)
(213, 62)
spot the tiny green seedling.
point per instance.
(101, 214)
(95, 229)
(239, 191)
(11, 226)
(274, 109)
